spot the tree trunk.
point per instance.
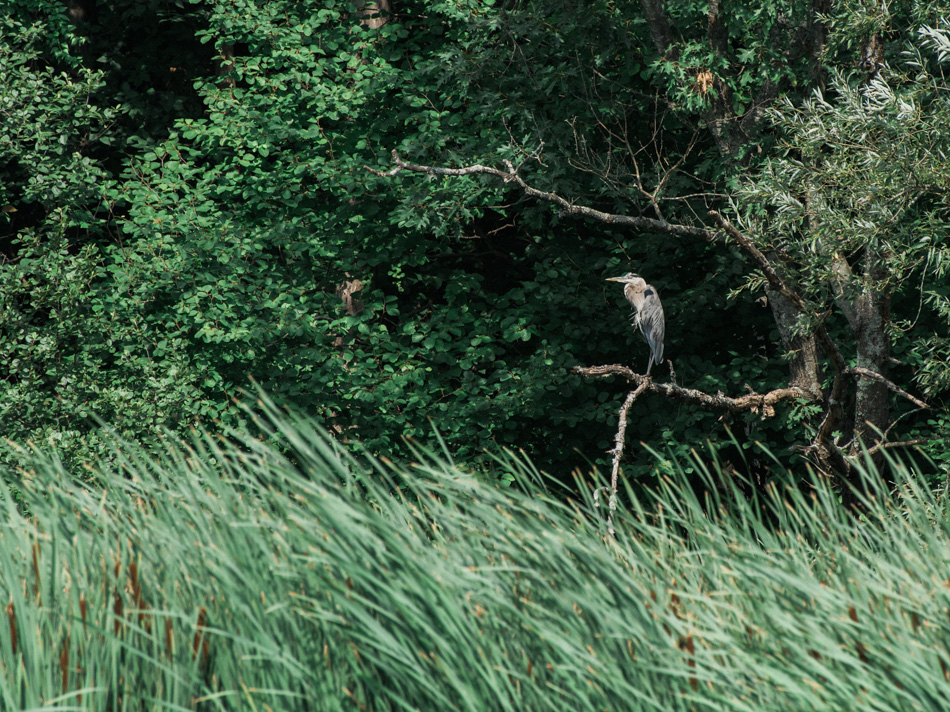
(224, 66)
(659, 28)
(872, 408)
(373, 13)
(803, 366)
(718, 112)
(868, 314)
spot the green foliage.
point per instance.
(855, 202)
(185, 192)
(47, 114)
(238, 574)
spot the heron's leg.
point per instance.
(650, 363)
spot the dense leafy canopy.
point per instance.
(185, 205)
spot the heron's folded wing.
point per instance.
(653, 324)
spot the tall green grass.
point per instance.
(245, 576)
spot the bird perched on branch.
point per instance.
(647, 313)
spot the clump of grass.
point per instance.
(237, 575)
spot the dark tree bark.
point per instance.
(816, 37)
(660, 31)
(803, 366)
(224, 66)
(872, 406)
(868, 314)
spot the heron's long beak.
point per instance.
(615, 279)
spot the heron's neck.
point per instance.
(634, 296)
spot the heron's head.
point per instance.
(628, 278)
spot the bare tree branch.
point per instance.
(780, 285)
(868, 373)
(638, 222)
(617, 452)
(834, 405)
(760, 259)
(511, 176)
(763, 403)
(901, 443)
(641, 223)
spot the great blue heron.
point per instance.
(647, 313)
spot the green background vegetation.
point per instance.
(183, 192)
(185, 205)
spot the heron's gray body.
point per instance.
(647, 313)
